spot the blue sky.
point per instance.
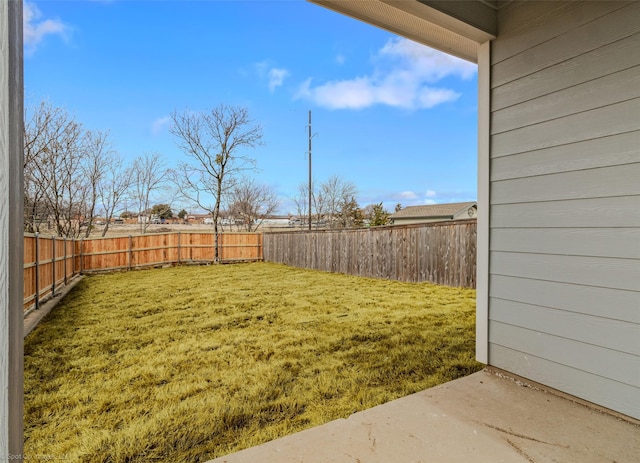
(395, 118)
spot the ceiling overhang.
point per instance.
(454, 27)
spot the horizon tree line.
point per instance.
(73, 175)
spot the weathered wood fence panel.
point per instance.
(443, 253)
(50, 262)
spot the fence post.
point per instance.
(37, 270)
(81, 254)
(53, 267)
(74, 258)
(65, 260)
(130, 251)
(179, 240)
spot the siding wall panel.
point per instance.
(601, 122)
(581, 299)
(579, 69)
(623, 243)
(564, 283)
(598, 331)
(543, 20)
(583, 184)
(607, 151)
(593, 388)
(592, 271)
(608, 363)
(571, 41)
(613, 88)
(619, 211)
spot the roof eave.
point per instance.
(426, 217)
(422, 23)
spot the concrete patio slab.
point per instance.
(485, 417)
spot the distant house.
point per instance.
(435, 213)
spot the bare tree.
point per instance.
(96, 162)
(318, 206)
(55, 192)
(336, 192)
(301, 200)
(251, 203)
(68, 171)
(115, 183)
(327, 200)
(43, 127)
(66, 193)
(214, 142)
(148, 175)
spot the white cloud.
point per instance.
(273, 75)
(276, 78)
(160, 124)
(411, 198)
(431, 65)
(404, 75)
(340, 59)
(407, 195)
(35, 30)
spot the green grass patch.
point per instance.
(191, 363)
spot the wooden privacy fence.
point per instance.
(50, 262)
(443, 253)
(129, 252)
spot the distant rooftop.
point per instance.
(433, 210)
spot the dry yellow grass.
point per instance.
(190, 363)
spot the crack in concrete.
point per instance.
(372, 438)
(522, 436)
(520, 451)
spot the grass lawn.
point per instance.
(190, 363)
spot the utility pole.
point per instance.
(310, 137)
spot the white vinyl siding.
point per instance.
(564, 246)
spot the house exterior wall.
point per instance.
(564, 225)
(11, 241)
(469, 213)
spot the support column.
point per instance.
(482, 262)
(11, 232)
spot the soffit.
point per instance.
(416, 21)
